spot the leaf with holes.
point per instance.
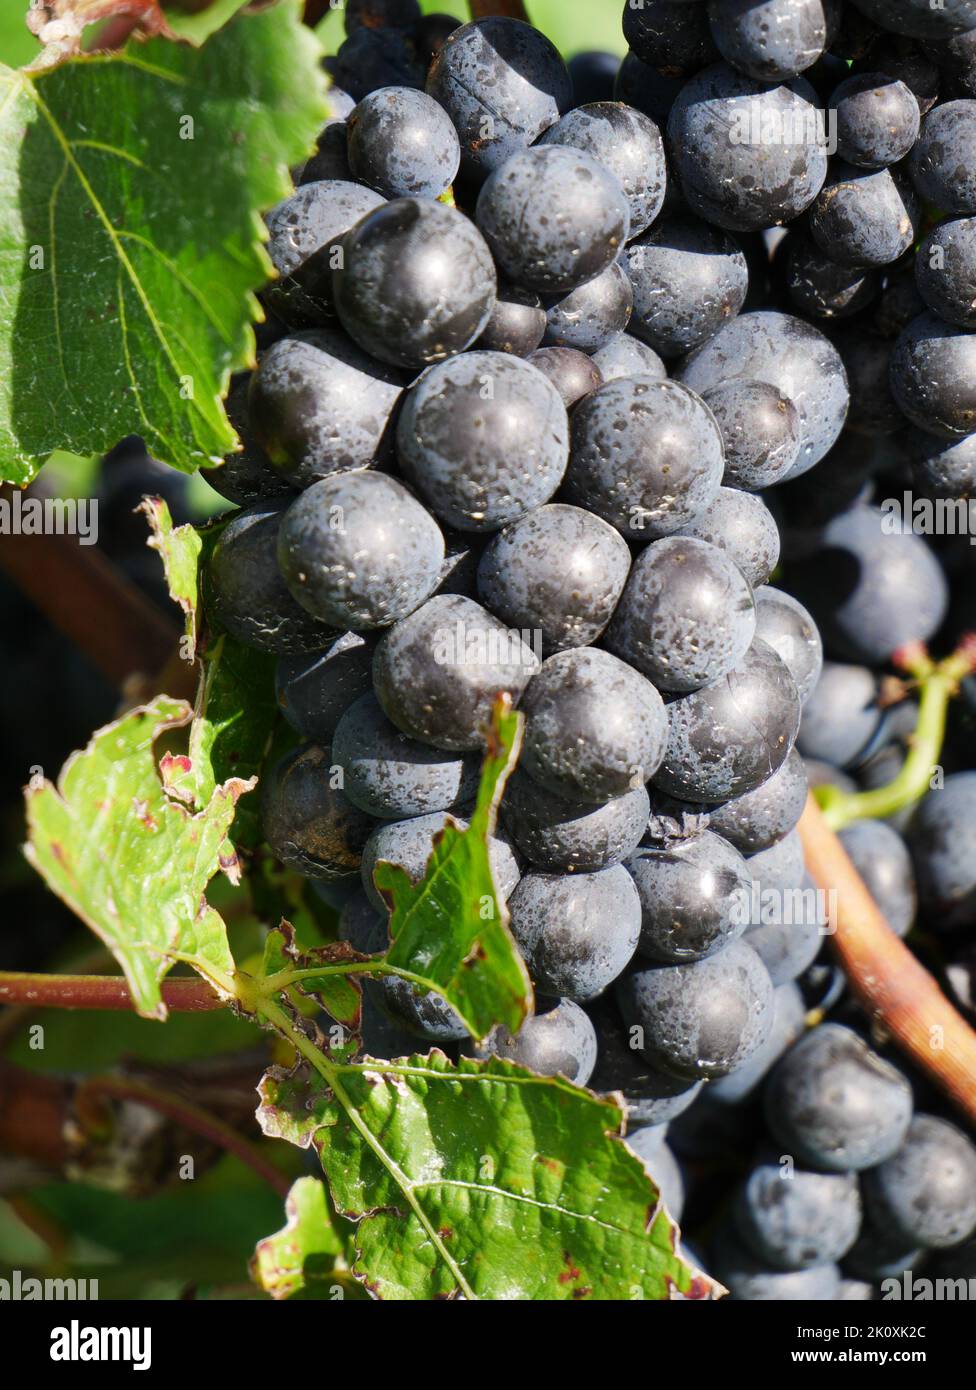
(451, 928)
(482, 1180)
(133, 863)
(131, 187)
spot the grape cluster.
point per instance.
(561, 368)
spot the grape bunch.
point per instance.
(592, 385)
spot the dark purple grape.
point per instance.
(516, 324)
(566, 835)
(316, 689)
(558, 1040)
(692, 893)
(572, 372)
(626, 142)
(674, 37)
(783, 622)
(773, 39)
(865, 217)
(758, 819)
(645, 455)
(554, 217)
(309, 823)
(941, 163)
(942, 839)
(933, 378)
(760, 429)
(589, 316)
(625, 355)
(742, 525)
(878, 120)
(945, 271)
(402, 143)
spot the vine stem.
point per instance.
(330, 1074)
(100, 992)
(189, 1116)
(938, 683)
(894, 987)
(88, 598)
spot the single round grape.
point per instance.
(760, 429)
(310, 824)
(674, 37)
(559, 571)
(687, 614)
(554, 217)
(780, 867)
(773, 39)
(427, 1016)
(320, 406)
(438, 672)
(688, 278)
(662, 1168)
(701, 1019)
(920, 18)
(789, 354)
(925, 1193)
(728, 737)
(742, 525)
(572, 372)
(822, 286)
(331, 157)
(789, 925)
(952, 59)
(759, 819)
(646, 88)
(794, 1219)
(314, 690)
(835, 1104)
(374, 58)
(409, 843)
(789, 1021)
(576, 932)
(391, 776)
(942, 469)
(379, 14)
(748, 1280)
(651, 1098)
(592, 314)
(881, 857)
(941, 164)
(566, 835)
(484, 438)
(942, 838)
(784, 623)
(559, 1040)
(417, 282)
(251, 599)
(516, 324)
(871, 589)
(645, 455)
(304, 232)
(626, 142)
(358, 551)
(594, 727)
(691, 892)
(718, 133)
(945, 271)
(878, 120)
(402, 143)
(841, 715)
(502, 83)
(625, 355)
(593, 73)
(932, 377)
(865, 217)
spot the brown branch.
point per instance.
(890, 982)
(100, 992)
(83, 594)
(507, 9)
(190, 1117)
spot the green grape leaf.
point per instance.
(451, 928)
(131, 243)
(130, 860)
(339, 995)
(307, 1257)
(236, 708)
(179, 549)
(482, 1180)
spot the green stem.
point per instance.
(938, 685)
(283, 979)
(331, 1074)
